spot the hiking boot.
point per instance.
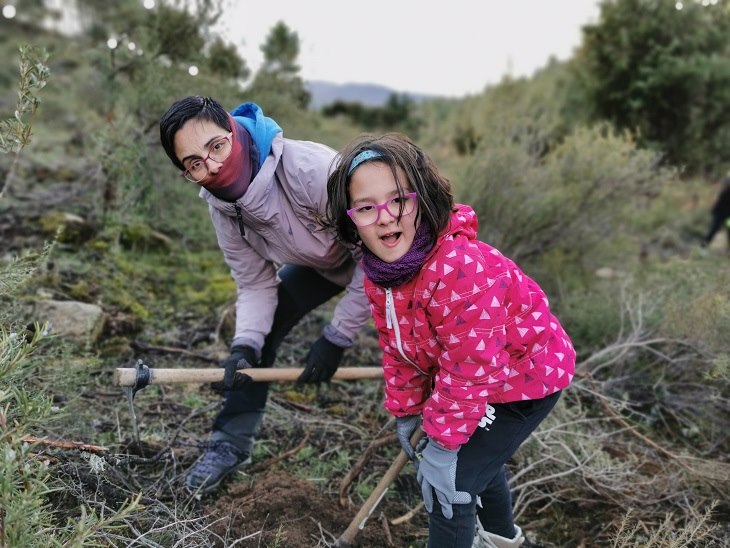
(483, 539)
(220, 459)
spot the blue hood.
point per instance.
(261, 128)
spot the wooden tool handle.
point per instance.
(128, 376)
(347, 538)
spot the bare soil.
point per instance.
(275, 508)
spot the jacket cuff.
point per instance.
(442, 448)
(337, 338)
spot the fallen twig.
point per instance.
(292, 404)
(66, 444)
(705, 469)
(144, 347)
(386, 529)
(360, 464)
(270, 462)
(408, 515)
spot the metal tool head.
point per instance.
(143, 377)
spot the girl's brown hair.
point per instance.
(435, 200)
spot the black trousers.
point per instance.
(715, 225)
(481, 472)
(300, 291)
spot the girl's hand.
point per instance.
(437, 472)
(404, 428)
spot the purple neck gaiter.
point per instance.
(400, 271)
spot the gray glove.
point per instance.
(404, 428)
(437, 472)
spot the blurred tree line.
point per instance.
(658, 69)
(649, 83)
(661, 69)
(397, 112)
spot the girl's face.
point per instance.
(372, 184)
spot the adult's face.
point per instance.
(198, 145)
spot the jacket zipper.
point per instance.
(241, 227)
(391, 321)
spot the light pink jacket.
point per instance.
(278, 216)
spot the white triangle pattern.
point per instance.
(477, 359)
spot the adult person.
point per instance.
(720, 214)
(264, 194)
(470, 345)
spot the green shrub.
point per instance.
(27, 517)
(583, 195)
(693, 300)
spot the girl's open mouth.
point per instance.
(391, 239)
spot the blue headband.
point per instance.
(366, 154)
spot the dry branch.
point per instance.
(144, 347)
(270, 462)
(702, 468)
(386, 530)
(66, 444)
(408, 515)
(360, 464)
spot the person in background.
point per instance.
(471, 349)
(265, 194)
(720, 214)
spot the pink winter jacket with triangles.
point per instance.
(469, 330)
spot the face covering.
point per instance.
(234, 176)
(400, 271)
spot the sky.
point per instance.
(450, 48)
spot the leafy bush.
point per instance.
(26, 516)
(537, 112)
(693, 300)
(585, 192)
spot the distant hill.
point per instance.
(371, 95)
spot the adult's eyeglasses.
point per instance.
(219, 150)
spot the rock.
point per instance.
(605, 272)
(142, 237)
(53, 173)
(75, 228)
(77, 321)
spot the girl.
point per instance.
(470, 346)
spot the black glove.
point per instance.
(322, 361)
(242, 357)
(404, 428)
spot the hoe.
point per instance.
(135, 378)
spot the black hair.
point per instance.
(435, 199)
(193, 107)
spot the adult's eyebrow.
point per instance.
(206, 145)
